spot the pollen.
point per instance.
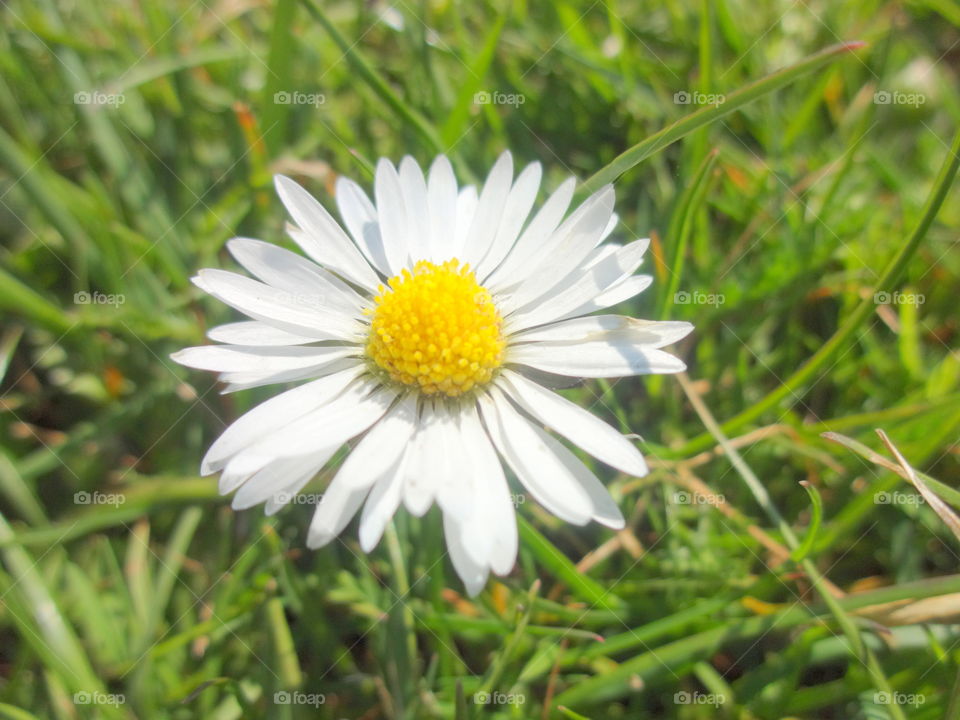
(436, 328)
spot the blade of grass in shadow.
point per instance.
(793, 385)
(734, 101)
(278, 74)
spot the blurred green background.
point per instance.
(137, 136)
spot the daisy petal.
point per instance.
(605, 327)
(591, 283)
(267, 481)
(486, 219)
(515, 211)
(360, 217)
(254, 332)
(322, 238)
(287, 311)
(596, 359)
(337, 506)
(539, 469)
(274, 414)
(259, 360)
(291, 272)
(246, 380)
(442, 206)
(382, 503)
(466, 209)
(517, 267)
(576, 424)
(414, 189)
(392, 211)
(473, 574)
(382, 448)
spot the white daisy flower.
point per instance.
(419, 328)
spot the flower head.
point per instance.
(419, 328)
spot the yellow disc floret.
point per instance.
(436, 328)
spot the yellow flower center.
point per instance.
(436, 328)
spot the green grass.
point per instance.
(782, 209)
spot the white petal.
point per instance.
(322, 238)
(515, 211)
(443, 463)
(260, 360)
(474, 575)
(287, 311)
(344, 417)
(489, 210)
(535, 465)
(466, 210)
(360, 217)
(653, 333)
(285, 495)
(516, 267)
(415, 200)
(604, 509)
(442, 206)
(382, 448)
(274, 414)
(576, 424)
(245, 380)
(596, 359)
(254, 332)
(430, 461)
(591, 283)
(566, 250)
(288, 271)
(392, 213)
(271, 479)
(622, 290)
(334, 511)
(490, 532)
(381, 505)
